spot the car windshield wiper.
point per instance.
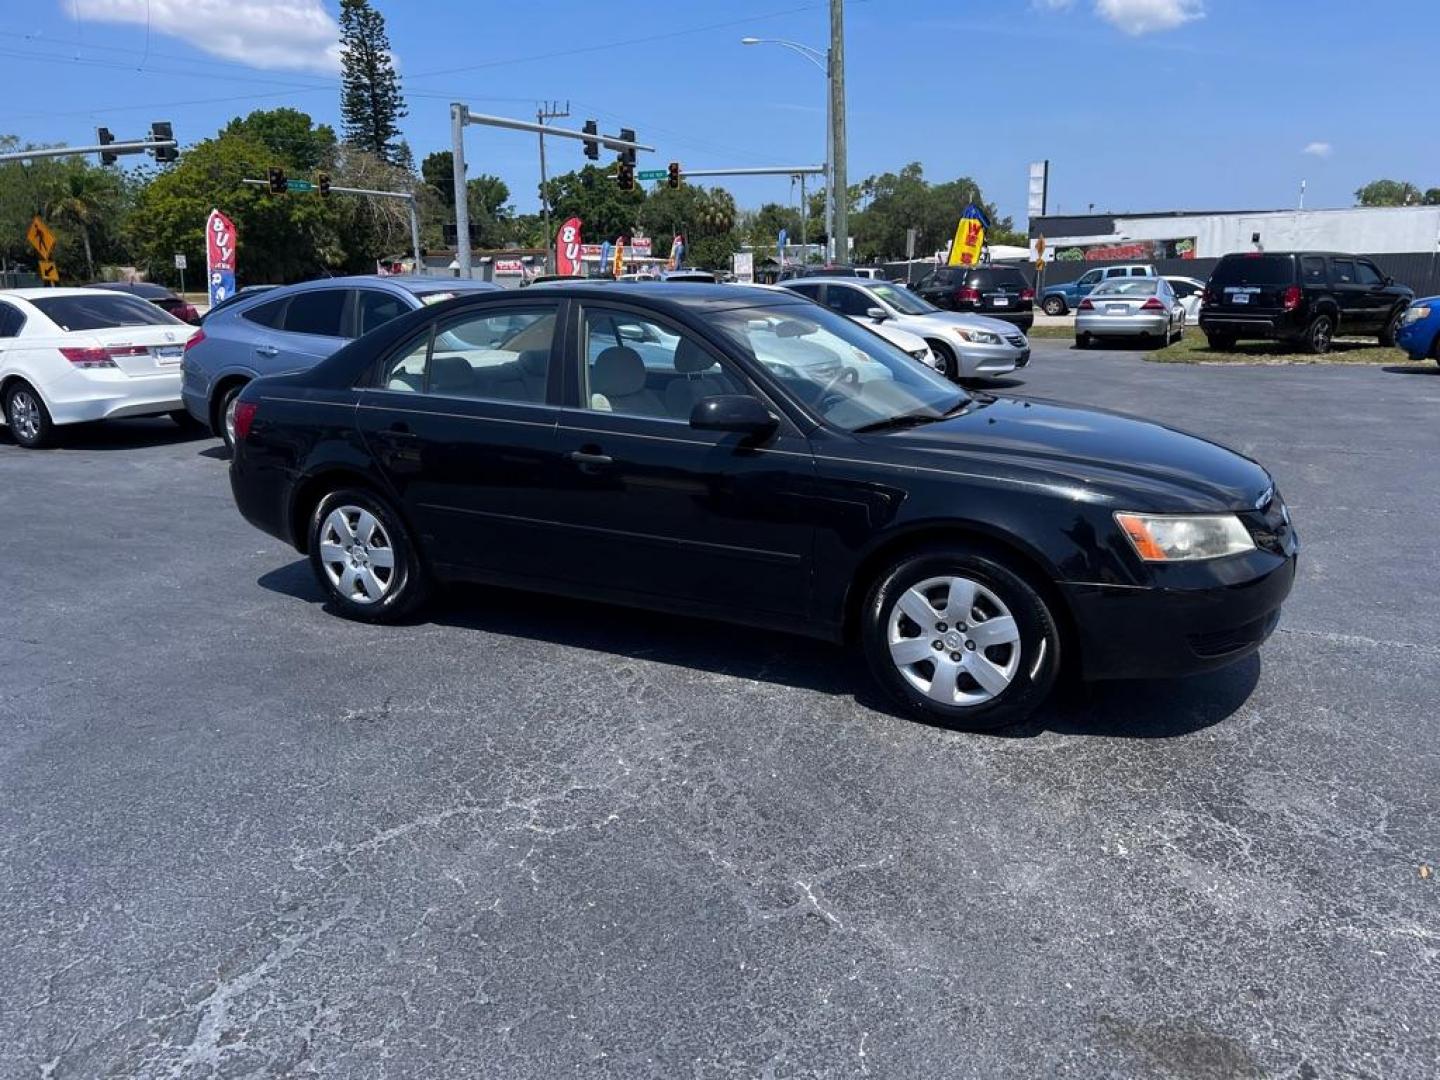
(903, 420)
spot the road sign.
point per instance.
(1039, 266)
(299, 185)
(910, 234)
(652, 174)
(180, 263)
(1040, 247)
(48, 271)
(40, 237)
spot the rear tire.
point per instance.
(1318, 335)
(1082, 341)
(28, 418)
(1221, 342)
(363, 557)
(1054, 305)
(224, 425)
(996, 624)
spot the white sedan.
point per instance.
(68, 356)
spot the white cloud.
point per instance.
(1136, 17)
(1318, 149)
(296, 35)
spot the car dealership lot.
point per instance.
(527, 835)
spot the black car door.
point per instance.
(658, 510)
(461, 418)
(1350, 296)
(1372, 295)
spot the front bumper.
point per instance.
(1122, 325)
(1197, 617)
(1419, 339)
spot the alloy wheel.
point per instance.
(230, 407)
(357, 554)
(25, 415)
(954, 640)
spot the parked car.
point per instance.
(1060, 298)
(1142, 308)
(966, 346)
(1188, 291)
(158, 295)
(1001, 292)
(1304, 297)
(913, 345)
(72, 355)
(818, 270)
(1419, 333)
(944, 531)
(872, 272)
(293, 328)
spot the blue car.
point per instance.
(291, 329)
(1419, 333)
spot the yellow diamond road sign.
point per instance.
(48, 271)
(41, 238)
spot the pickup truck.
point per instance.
(1058, 299)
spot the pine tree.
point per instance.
(370, 101)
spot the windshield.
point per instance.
(902, 300)
(852, 378)
(1127, 287)
(101, 312)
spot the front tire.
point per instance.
(956, 637)
(1054, 305)
(949, 361)
(364, 558)
(1391, 328)
(225, 415)
(28, 418)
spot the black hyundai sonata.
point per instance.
(750, 456)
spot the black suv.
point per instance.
(1307, 297)
(1001, 292)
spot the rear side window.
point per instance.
(812, 291)
(10, 320)
(1139, 271)
(316, 312)
(1254, 270)
(1115, 271)
(375, 308)
(100, 312)
(1343, 271)
(268, 313)
(1312, 269)
(1182, 289)
(847, 301)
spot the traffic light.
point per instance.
(626, 176)
(277, 179)
(159, 130)
(105, 139)
(674, 180)
(627, 155)
(322, 182)
(592, 146)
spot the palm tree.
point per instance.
(78, 203)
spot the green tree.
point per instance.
(295, 139)
(88, 200)
(1432, 196)
(891, 203)
(488, 200)
(592, 195)
(704, 216)
(371, 106)
(1387, 193)
(762, 228)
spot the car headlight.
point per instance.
(1184, 537)
(977, 337)
(1415, 314)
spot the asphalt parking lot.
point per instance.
(526, 837)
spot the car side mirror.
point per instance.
(879, 314)
(732, 412)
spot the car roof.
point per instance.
(41, 294)
(699, 296)
(139, 288)
(415, 283)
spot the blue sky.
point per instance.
(1138, 104)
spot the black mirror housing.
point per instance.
(732, 412)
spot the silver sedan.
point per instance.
(1142, 308)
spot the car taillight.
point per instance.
(1208, 296)
(195, 339)
(187, 313)
(89, 357)
(1027, 294)
(244, 417)
(1290, 300)
(967, 295)
(1086, 305)
(1153, 304)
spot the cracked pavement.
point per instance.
(528, 836)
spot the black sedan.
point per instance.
(158, 295)
(752, 457)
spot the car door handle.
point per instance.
(267, 350)
(585, 457)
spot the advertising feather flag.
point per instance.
(969, 237)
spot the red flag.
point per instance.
(567, 248)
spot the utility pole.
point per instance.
(549, 110)
(459, 116)
(837, 130)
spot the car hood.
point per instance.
(1091, 453)
(942, 322)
